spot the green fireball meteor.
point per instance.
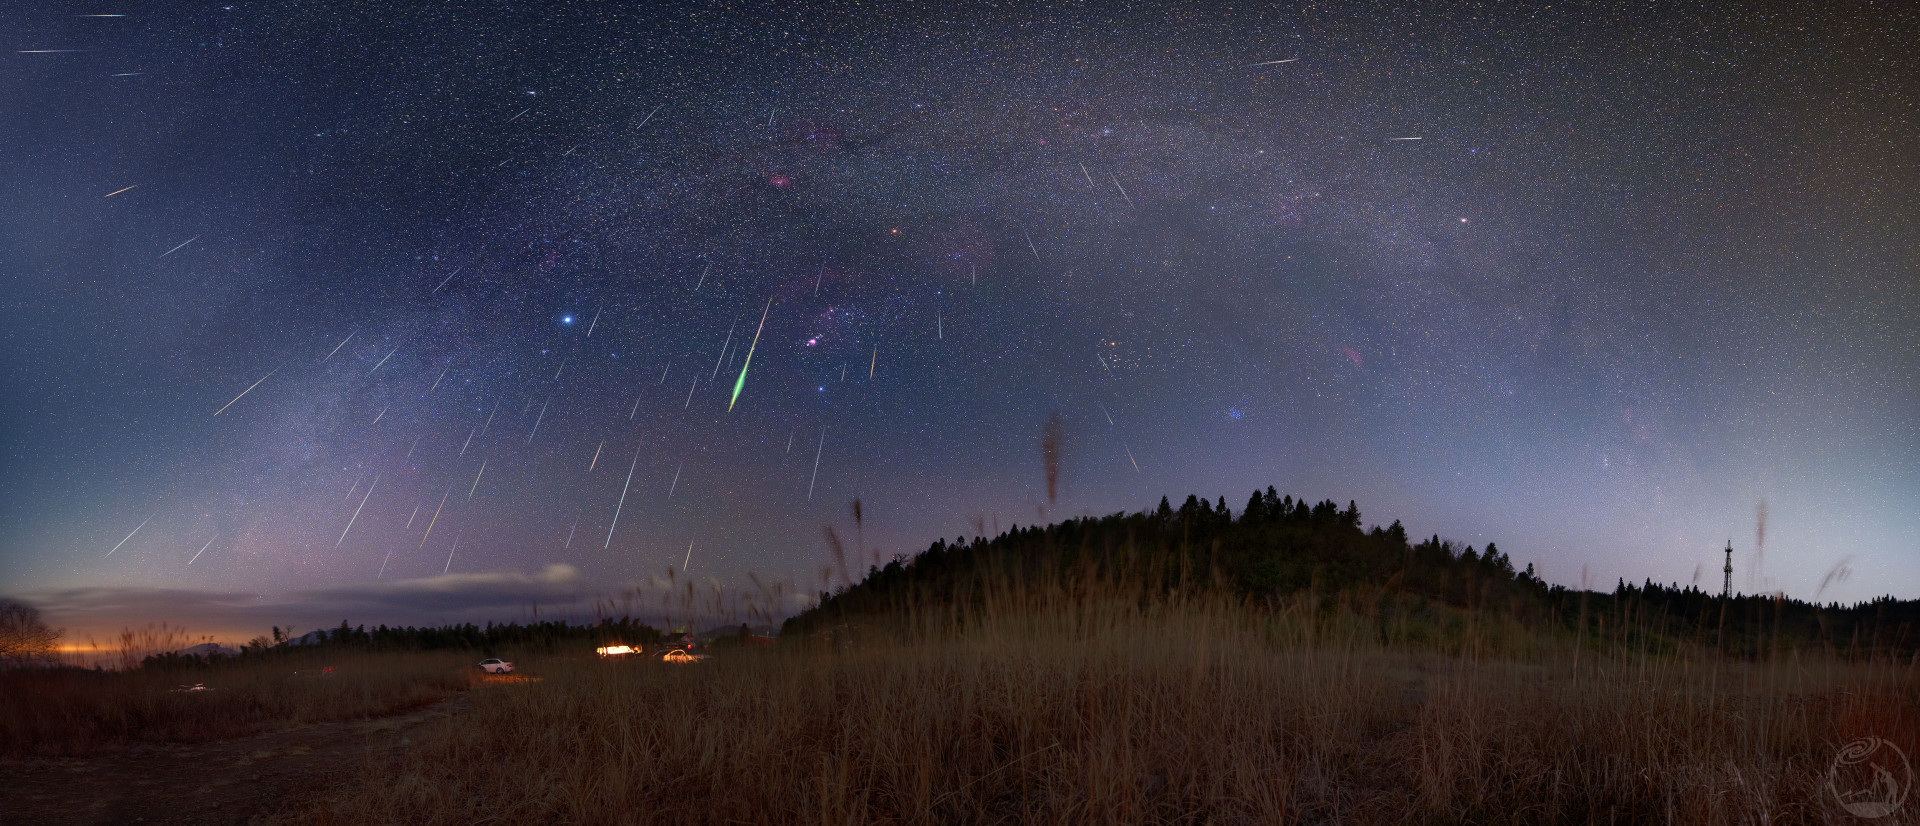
(742, 381)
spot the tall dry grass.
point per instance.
(72, 711)
(1049, 704)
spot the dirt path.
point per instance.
(229, 781)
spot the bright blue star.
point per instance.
(566, 319)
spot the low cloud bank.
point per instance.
(455, 593)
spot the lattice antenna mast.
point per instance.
(1726, 586)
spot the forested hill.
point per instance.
(1278, 546)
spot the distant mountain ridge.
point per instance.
(310, 638)
(208, 649)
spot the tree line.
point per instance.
(25, 639)
(486, 640)
(1279, 546)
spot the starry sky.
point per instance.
(428, 311)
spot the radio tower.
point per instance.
(1726, 586)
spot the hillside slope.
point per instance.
(1278, 547)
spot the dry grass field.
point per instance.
(78, 712)
(1098, 705)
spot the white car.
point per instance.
(495, 666)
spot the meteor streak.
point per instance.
(596, 456)
(118, 191)
(1270, 62)
(469, 441)
(689, 559)
(1030, 246)
(1123, 190)
(636, 407)
(456, 546)
(703, 277)
(873, 361)
(676, 480)
(1136, 465)
(742, 381)
(356, 512)
(496, 409)
(576, 526)
(1403, 139)
(443, 281)
(136, 529)
(436, 516)
(476, 479)
(816, 463)
(383, 360)
(689, 402)
(249, 389)
(376, 419)
(410, 517)
(522, 112)
(1090, 183)
(723, 354)
(563, 367)
(623, 499)
(595, 321)
(416, 443)
(343, 343)
(643, 121)
(203, 548)
(663, 372)
(177, 249)
(436, 381)
(538, 419)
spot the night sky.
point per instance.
(1593, 283)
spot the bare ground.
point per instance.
(222, 782)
